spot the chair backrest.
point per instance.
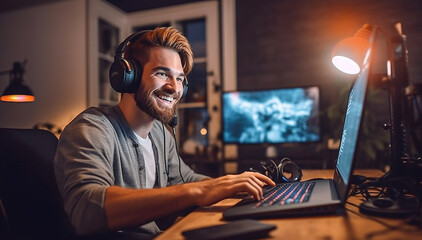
(28, 189)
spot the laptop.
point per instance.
(322, 196)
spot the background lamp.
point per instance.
(16, 91)
(350, 53)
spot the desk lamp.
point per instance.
(16, 91)
(348, 56)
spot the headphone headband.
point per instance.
(132, 38)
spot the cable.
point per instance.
(392, 187)
(173, 124)
(390, 197)
(389, 227)
(165, 158)
(178, 156)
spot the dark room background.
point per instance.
(288, 44)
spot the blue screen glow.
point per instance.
(271, 116)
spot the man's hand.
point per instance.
(211, 191)
(126, 207)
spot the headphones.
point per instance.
(125, 73)
(285, 171)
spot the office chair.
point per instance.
(28, 189)
(30, 202)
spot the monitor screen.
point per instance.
(284, 115)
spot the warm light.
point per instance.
(346, 64)
(350, 54)
(203, 131)
(17, 98)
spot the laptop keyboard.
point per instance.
(287, 193)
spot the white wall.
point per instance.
(52, 38)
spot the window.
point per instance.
(198, 112)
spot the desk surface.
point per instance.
(352, 225)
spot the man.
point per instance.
(118, 168)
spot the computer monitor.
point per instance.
(282, 115)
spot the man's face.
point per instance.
(161, 85)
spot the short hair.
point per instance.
(167, 37)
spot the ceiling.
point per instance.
(125, 5)
(139, 5)
(18, 4)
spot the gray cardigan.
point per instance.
(97, 150)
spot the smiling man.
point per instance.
(117, 167)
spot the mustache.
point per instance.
(169, 92)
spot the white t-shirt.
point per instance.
(149, 160)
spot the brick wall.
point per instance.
(282, 43)
(288, 43)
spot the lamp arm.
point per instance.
(17, 67)
(397, 82)
(397, 55)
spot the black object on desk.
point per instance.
(241, 229)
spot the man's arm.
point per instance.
(133, 207)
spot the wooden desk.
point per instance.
(352, 225)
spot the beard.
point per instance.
(145, 102)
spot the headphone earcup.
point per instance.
(125, 75)
(269, 169)
(289, 171)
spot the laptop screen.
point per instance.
(351, 126)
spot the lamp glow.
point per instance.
(203, 131)
(17, 98)
(346, 65)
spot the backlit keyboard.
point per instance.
(287, 193)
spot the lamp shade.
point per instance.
(350, 53)
(17, 91)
